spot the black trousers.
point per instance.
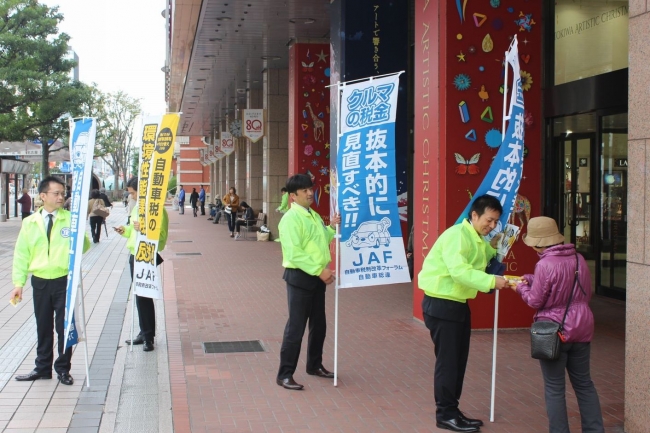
(304, 305)
(450, 329)
(202, 207)
(146, 311)
(231, 217)
(49, 298)
(96, 227)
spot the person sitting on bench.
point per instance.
(215, 212)
(247, 219)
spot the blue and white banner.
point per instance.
(503, 179)
(372, 250)
(82, 148)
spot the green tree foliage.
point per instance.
(35, 85)
(115, 131)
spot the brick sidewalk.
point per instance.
(234, 291)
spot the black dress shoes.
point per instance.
(137, 340)
(65, 378)
(289, 383)
(33, 375)
(321, 372)
(470, 421)
(456, 424)
(148, 346)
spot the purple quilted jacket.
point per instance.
(551, 286)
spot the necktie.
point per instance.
(50, 223)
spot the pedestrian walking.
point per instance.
(181, 200)
(43, 249)
(145, 306)
(452, 273)
(125, 198)
(561, 288)
(231, 206)
(25, 204)
(202, 200)
(305, 244)
(194, 201)
(284, 203)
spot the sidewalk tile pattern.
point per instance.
(234, 292)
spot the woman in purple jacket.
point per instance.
(548, 291)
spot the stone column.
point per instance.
(254, 158)
(637, 362)
(240, 168)
(275, 145)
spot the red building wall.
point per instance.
(192, 173)
(309, 119)
(456, 63)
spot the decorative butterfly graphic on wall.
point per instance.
(307, 67)
(467, 166)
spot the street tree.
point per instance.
(35, 84)
(115, 132)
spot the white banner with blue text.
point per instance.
(82, 148)
(372, 250)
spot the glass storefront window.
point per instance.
(591, 38)
(613, 254)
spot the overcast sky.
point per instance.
(120, 44)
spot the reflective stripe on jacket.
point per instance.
(305, 241)
(454, 269)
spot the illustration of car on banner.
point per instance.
(370, 234)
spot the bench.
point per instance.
(254, 226)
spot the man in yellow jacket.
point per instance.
(145, 306)
(452, 273)
(305, 256)
(43, 250)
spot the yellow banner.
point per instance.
(148, 145)
(161, 165)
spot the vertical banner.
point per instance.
(211, 156)
(146, 280)
(82, 147)
(202, 157)
(227, 143)
(253, 124)
(372, 250)
(503, 179)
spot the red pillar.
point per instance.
(451, 46)
(309, 119)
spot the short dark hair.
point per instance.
(94, 193)
(244, 204)
(44, 186)
(133, 183)
(283, 189)
(484, 202)
(298, 181)
(181, 186)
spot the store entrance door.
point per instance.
(577, 221)
(589, 191)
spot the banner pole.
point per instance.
(132, 313)
(336, 309)
(83, 319)
(496, 298)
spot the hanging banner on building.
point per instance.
(372, 250)
(202, 157)
(218, 153)
(160, 150)
(253, 124)
(227, 143)
(210, 152)
(82, 148)
(503, 179)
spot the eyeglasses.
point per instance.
(59, 193)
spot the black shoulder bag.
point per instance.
(546, 335)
